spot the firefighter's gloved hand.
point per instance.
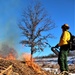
(56, 46)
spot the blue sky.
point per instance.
(61, 11)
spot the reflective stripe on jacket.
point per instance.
(65, 37)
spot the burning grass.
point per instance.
(10, 66)
(16, 67)
(30, 62)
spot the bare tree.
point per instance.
(36, 26)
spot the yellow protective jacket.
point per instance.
(65, 37)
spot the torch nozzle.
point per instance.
(47, 44)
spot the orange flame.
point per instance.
(30, 62)
(10, 57)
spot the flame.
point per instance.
(10, 57)
(30, 62)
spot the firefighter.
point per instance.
(64, 48)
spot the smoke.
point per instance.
(9, 30)
(5, 50)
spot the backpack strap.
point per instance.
(70, 35)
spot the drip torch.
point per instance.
(53, 49)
